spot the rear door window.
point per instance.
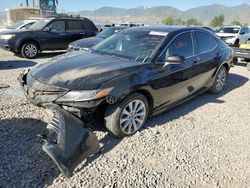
(203, 41)
(74, 25)
(87, 26)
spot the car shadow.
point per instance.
(23, 160)
(23, 163)
(16, 64)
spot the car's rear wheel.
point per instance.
(220, 80)
(237, 43)
(128, 116)
(29, 50)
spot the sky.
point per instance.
(77, 5)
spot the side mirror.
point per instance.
(174, 60)
(47, 29)
(242, 33)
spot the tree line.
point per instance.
(217, 21)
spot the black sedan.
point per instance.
(121, 82)
(85, 44)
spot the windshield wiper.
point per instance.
(141, 55)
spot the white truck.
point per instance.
(234, 35)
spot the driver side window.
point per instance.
(180, 46)
(57, 26)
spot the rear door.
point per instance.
(74, 30)
(54, 37)
(208, 57)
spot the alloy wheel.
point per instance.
(31, 50)
(221, 79)
(133, 116)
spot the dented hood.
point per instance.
(81, 71)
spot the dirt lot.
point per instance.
(202, 143)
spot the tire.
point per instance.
(247, 60)
(235, 60)
(237, 43)
(118, 119)
(219, 81)
(29, 50)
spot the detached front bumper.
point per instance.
(73, 142)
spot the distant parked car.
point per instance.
(47, 34)
(243, 52)
(234, 35)
(128, 77)
(85, 44)
(20, 25)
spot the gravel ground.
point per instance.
(202, 143)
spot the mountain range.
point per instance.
(153, 15)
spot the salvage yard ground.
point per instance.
(202, 143)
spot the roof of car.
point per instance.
(172, 28)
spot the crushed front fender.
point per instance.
(73, 142)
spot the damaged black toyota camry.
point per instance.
(121, 82)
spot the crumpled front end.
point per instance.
(68, 141)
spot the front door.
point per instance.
(177, 82)
(54, 37)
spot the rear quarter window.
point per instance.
(88, 26)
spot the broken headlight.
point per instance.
(87, 95)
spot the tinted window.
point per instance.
(181, 46)
(88, 26)
(203, 42)
(57, 26)
(221, 43)
(214, 41)
(74, 25)
(245, 30)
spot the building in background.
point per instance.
(39, 9)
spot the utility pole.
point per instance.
(27, 3)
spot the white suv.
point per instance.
(234, 35)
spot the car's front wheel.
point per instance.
(29, 50)
(220, 80)
(128, 116)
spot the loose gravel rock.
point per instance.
(204, 142)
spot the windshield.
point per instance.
(39, 25)
(133, 44)
(108, 32)
(16, 25)
(233, 30)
